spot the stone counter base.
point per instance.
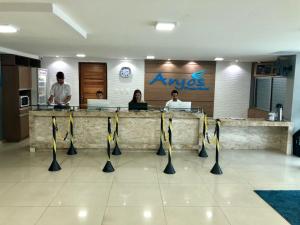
(141, 131)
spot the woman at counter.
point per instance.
(137, 97)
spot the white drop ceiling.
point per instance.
(233, 29)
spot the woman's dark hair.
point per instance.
(174, 91)
(99, 92)
(133, 100)
(60, 75)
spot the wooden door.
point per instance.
(92, 77)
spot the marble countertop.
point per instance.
(156, 114)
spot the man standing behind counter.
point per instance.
(171, 103)
(60, 92)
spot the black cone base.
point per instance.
(54, 166)
(72, 150)
(203, 152)
(116, 150)
(161, 150)
(216, 169)
(108, 168)
(169, 169)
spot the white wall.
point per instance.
(232, 84)
(232, 90)
(1, 104)
(119, 90)
(295, 96)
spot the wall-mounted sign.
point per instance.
(196, 83)
(125, 72)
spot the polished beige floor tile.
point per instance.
(276, 186)
(41, 174)
(91, 174)
(184, 175)
(130, 194)
(20, 215)
(30, 194)
(141, 159)
(12, 174)
(186, 195)
(6, 186)
(253, 216)
(195, 216)
(229, 176)
(138, 192)
(235, 195)
(136, 174)
(134, 216)
(82, 194)
(72, 216)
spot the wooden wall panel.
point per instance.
(157, 94)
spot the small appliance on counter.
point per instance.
(279, 108)
(271, 116)
(24, 101)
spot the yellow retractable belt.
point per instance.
(53, 139)
(170, 144)
(162, 132)
(215, 139)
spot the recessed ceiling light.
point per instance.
(219, 59)
(150, 57)
(8, 29)
(80, 55)
(57, 56)
(163, 26)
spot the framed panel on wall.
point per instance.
(195, 82)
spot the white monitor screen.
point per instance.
(97, 103)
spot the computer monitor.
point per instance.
(180, 106)
(97, 104)
(186, 106)
(138, 106)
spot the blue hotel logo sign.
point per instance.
(196, 83)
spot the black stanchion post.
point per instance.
(116, 150)
(72, 149)
(217, 169)
(54, 165)
(203, 152)
(169, 168)
(161, 150)
(108, 166)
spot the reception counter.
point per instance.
(141, 131)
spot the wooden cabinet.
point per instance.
(16, 72)
(24, 77)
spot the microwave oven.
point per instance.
(24, 101)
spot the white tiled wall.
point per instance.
(232, 89)
(119, 91)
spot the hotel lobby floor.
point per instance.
(138, 192)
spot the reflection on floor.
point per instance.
(138, 192)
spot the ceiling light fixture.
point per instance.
(57, 56)
(169, 59)
(219, 59)
(8, 29)
(80, 55)
(165, 26)
(150, 57)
